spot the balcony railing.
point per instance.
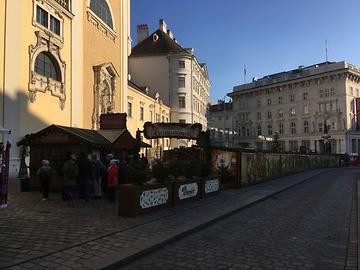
(64, 3)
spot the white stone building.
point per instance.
(159, 62)
(304, 106)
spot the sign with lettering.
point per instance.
(172, 130)
(187, 191)
(212, 185)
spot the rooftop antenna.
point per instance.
(326, 50)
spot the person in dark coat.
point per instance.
(85, 171)
(70, 171)
(45, 173)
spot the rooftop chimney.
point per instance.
(142, 32)
(162, 25)
(170, 34)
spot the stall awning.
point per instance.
(119, 139)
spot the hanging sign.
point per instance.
(172, 130)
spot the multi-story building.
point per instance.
(221, 124)
(143, 107)
(62, 62)
(310, 106)
(159, 62)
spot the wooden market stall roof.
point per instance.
(119, 139)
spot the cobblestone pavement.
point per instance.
(49, 235)
(306, 227)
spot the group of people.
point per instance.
(81, 173)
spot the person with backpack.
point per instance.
(71, 171)
(45, 172)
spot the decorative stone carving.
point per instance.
(104, 91)
(46, 43)
(94, 20)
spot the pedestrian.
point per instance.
(71, 171)
(45, 173)
(98, 173)
(112, 180)
(104, 185)
(85, 169)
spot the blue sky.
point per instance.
(267, 36)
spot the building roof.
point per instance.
(295, 74)
(120, 139)
(163, 45)
(221, 106)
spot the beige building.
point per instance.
(143, 107)
(221, 124)
(62, 62)
(161, 63)
(308, 106)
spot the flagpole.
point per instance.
(326, 50)
(244, 74)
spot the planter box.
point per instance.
(210, 186)
(185, 191)
(135, 200)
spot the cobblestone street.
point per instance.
(306, 227)
(294, 222)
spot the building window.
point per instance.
(321, 126)
(293, 128)
(321, 93)
(258, 115)
(42, 16)
(182, 121)
(129, 109)
(293, 145)
(46, 65)
(306, 109)
(269, 114)
(181, 64)
(54, 25)
(280, 100)
(306, 127)
(182, 82)
(141, 113)
(269, 101)
(281, 113)
(269, 129)
(305, 96)
(181, 102)
(102, 10)
(258, 103)
(259, 145)
(259, 130)
(292, 112)
(281, 128)
(292, 98)
(332, 92)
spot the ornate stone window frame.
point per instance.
(39, 83)
(104, 91)
(100, 24)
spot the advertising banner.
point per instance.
(4, 176)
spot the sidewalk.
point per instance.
(49, 235)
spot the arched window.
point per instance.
(46, 65)
(102, 10)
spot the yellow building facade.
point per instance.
(61, 62)
(143, 107)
